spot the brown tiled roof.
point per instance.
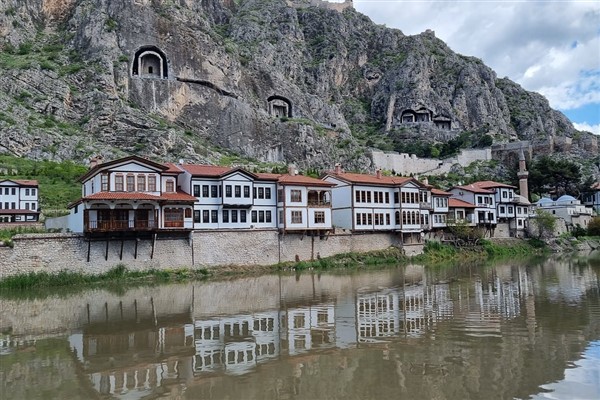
(267, 176)
(22, 182)
(474, 189)
(491, 185)
(179, 196)
(172, 169)
(206, 170)
(457, 203)
(373, 179)
(439, 192)
(596, 186)
(11, 211)
(303, 180)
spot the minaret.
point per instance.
(523, 174)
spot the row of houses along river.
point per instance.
(511, 330)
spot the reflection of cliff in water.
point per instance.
(462, 332)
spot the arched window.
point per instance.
(397, 218)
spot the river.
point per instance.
(508, 330)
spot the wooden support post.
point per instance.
(121, 254)
(153, 311)
(136, 246)
(89, 248)
(153, 244)
(106, 253)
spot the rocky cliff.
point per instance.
(271, 80)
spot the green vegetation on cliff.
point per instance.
(57, 180)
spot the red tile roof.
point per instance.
(492, 184)
(206, 170)
(301, 180)
(179, 196)
(172, 169)
(373, 179)
(22, 182)
(474, 189)
(596, 186)
(92, 171)
(456, 203)
(439, 192)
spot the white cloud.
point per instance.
(587, 127)
(551, 47)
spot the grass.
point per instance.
(349, 260)
(118, 274)
(7, 234)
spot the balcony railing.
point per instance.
(121, 225)
(317, 203)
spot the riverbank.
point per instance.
(434, 253)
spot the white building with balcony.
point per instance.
(130, 194)
(592, 197)
(484, 201)
(378, 203)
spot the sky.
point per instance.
(547, 46)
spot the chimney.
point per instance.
(338, 168)
(94, 161)
(425, 181)
(378, 173)
(292, 170)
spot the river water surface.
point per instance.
(510, 330)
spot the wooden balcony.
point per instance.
(120, 225)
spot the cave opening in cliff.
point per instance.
(150, 62)
(279, 107)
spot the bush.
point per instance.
(594, 227)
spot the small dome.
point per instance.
(544, 201)
(566, 199)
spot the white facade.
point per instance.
(303, 208)
(592, 199)
(19, 201)
(484, 201)
(569, 209)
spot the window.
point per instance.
(261, 216)
(26, 192)
(397, 220)
(510, 209)
(296, 216)
(504, 194)
(319, 217)
(213, 191)
(280, 216)
(279, 194)
(254, 217)
(6, 191)
(27, 206)
(387, 219)
(268, 216)
(214, 216)
(358, 220)
(376, 197)
(226, 216)
(247, 191)
(14, 191)
(387, 198)
(238, 192)
(119, 183)
(6, 205)
(381, 197)
(197, 216)
(364, 219)
(205, 215)
(130, 183)
(296, 196)
(204, 190)
(196, 190)
(234, 215)
(243, 216)
(33, 192)
(357, 196)
(369, 218)
(502, 209)
(151, 183)
(261, 193)
(170, 186)
(227, 190)
(254, 193)
(268, 193)
(141, 183)
(369, 196)
(396, 198)
(188, 213)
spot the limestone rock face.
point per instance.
(273, 80)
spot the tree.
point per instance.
(594, 227)
(545, 223)
(558, 176)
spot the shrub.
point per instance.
(594, 227)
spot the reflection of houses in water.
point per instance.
(136, 357)
(237, 343)
(409, 311)
(309, 327)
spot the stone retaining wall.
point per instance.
(56, 252)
